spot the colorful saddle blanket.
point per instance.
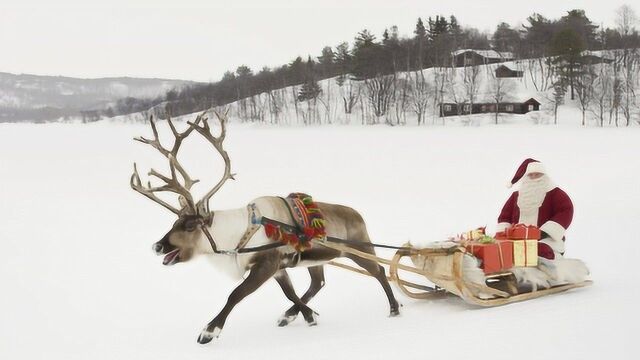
(310, 223)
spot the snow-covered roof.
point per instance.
(603, 54)
(489, 54)
(510, 66)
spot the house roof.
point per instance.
(511, 67)
(603, 54)
(489, 102)
(489, 54)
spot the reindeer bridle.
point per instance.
(172, 183)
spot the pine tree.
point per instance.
(567, 45)
(421, 38)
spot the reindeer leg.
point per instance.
(317, 282)
(282, 277)
(261, 271)
(377, 271)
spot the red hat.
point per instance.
(527, 167)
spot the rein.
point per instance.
(264, 220)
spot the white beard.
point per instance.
(530, 198)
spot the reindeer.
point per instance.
(201, 231)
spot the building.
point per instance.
(596, 57)
(507, 71)
(452, 109)
(470, 57)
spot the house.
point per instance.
(596, 57)
(451, 109)
(471, 57)
(507, 71)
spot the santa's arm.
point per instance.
(562, 217)
(504, 220)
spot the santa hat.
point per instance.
(527, 167)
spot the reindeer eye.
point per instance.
(190, 225)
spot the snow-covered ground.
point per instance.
(79, 279)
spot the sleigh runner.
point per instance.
(446, 272)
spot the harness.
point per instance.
(256, 221)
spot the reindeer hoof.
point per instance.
(394, 312)
(311, 319)
(286, 319)
(206, 336)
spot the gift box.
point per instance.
(523, 232)
(525, 252)
(495, 256)
(501, 235)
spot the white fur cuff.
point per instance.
(503, 226)
(555, 230)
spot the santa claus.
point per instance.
(541, 203)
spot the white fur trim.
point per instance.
(563, 271)
(535, 167)
(503, 226)
(531, 276)
(555, 230)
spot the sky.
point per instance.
(199, 39)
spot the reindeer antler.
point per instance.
(205, 131)
(172, 184)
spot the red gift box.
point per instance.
(495, 257)
(523, 232)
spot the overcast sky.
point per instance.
(200, 39)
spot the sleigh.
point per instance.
(445, 268)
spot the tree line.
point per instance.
(374, 60)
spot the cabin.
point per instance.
(452, 109)
(471, 57)
(505, 71)
(595, 57)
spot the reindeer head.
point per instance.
(181, 242)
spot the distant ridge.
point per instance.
(29, 97)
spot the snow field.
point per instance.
(80, 280)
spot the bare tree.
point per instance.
(584, 84)
(440, 80)
(540, 72)
(379, 94)
(471, 84)
(401, 99)
(602, 93)
(557, 97)
(421, 92)
(499, 89)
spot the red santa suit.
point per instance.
(539, 202)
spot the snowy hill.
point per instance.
(413, 97)
(35, 97)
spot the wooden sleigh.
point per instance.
(446, 272)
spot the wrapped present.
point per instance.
(523, 232)
(501, 235)
(525, 252)
(473, 234)
(495, 256)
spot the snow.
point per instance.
(80, 281)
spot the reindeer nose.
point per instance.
(157, 248)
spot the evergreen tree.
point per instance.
(420, 38)
(505, 38)
(577, 21)
(310, 90)
(567, 46)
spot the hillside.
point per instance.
(413, 98)
(41, 98)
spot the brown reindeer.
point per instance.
(200, 231)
